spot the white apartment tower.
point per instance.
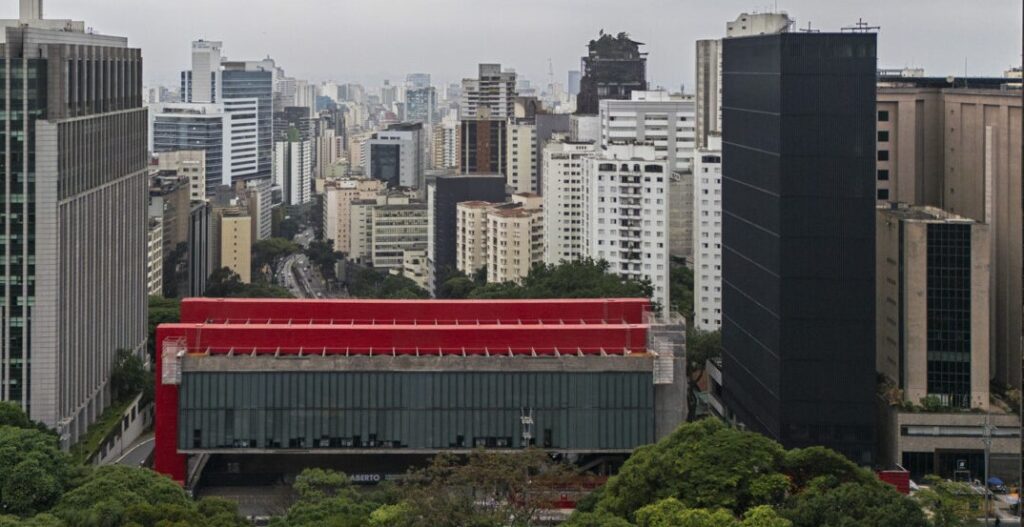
(563, 199)
(626, 214)
(521, 158)
(707, 236)
(493, 89)
(668, 124)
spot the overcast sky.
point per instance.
(371, 40)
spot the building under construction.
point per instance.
(253, 389)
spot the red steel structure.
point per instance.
(272, 327)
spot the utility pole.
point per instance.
(986, 438)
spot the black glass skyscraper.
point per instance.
(798, 327)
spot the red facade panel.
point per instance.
(590, 311)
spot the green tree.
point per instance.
(129, 377)
(12, 415)
(225, 283)
(321, 253)
(364, 282)
(175, 270)
(670, 512)
(951, 504)
(578, 279)
(316, 484)
(700, 347)
(681, 288)
(596, 519)
(803, 465)
(266, 253)
(34, 472)
(483, 489)
(161, 311)
(113, 495)
(703, 465)
(41, 520)
(876, 504)
(764, 516)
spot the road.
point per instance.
(138, 453)
(297, 274)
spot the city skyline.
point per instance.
(335, 40)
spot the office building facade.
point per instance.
(798, 238)
(75, 280)
(492, 90)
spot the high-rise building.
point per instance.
(254, 80)
(155, 258)
(954, 146)
(446, 149)
(626, 214)
(709, 67)
(390, 156)
(709, 90)
(234, 241)
(573, 82)
(667, 123)
(933, 305)
(190, 163)
(421, 105)
(483, 144)
(200, 252)
(547, 125)
(707, 235)
(444, 194)
(259, 197)
(75, 279)
(521, 157)
(338, 199)
(798, 238)
(293, 169)
(493, 89)
(398, 225)
(563, 199)
(176, 127)
(244, 92)
(417, 80)
(613, 68)
(933, 313)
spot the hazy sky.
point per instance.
(371, 40)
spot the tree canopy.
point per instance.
(706, 473)
(578, 279)
(225, 283)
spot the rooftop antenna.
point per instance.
(809, 29)
(861, 27)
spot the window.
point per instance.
(883, 175)
(883, 136)
(883, 116)
(883, 194)
(883, 155)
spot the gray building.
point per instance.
(76, 249)
(421, 105)
(177, 127)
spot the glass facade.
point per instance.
(949, 313)
(385, 164)
(193, 133)
(255, 85)
(27, 86)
